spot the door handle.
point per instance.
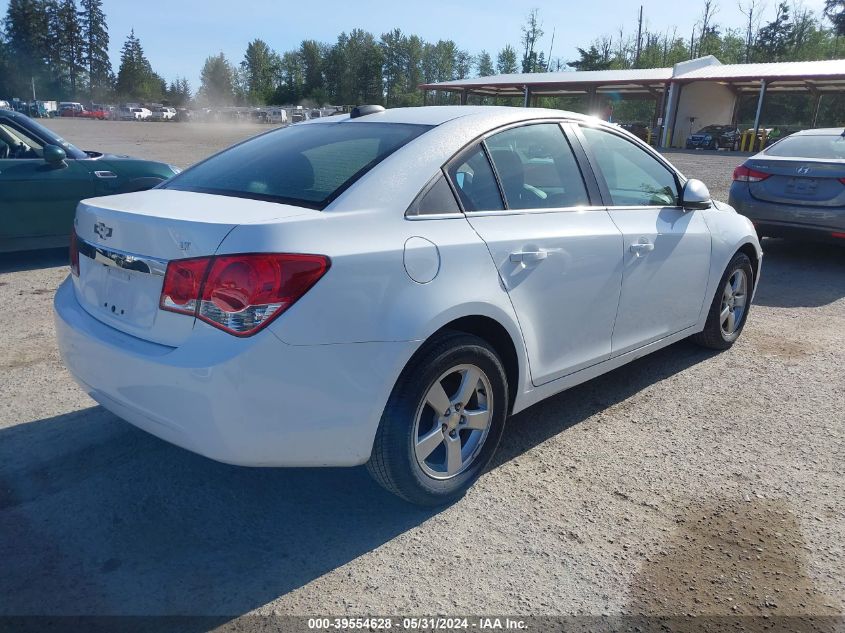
(528, 257)
(642, 248)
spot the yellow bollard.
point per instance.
(763, 137)
(648, 137)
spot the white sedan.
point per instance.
(387, 287)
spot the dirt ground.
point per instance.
(688, 482)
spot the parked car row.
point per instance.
(724, 136)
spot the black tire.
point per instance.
(713, 145)
(713, 335)
(393, 463)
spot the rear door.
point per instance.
(558, 255)
(37, 199)
(666, 248)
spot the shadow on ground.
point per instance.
(33, 260)
(801, 274)
(97, 517)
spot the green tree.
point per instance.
(532, 31)
(218, 81)
(834, 10)
(95, 49)
(260, 68)
(311, 54)
(484, 64)
(179, 92)
(70, 47)
(354, 68)
(392, 45)
(774, 39)
(290, 89)
(506, 61)
(136, 80)
(27, 27)
(592, 59)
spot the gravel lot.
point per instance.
(686, 482)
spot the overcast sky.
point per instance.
(177, 36)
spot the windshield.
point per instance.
(713, 129)
(306, 165)
(824, 146)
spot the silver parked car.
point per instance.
(386, 287)
(796, 187)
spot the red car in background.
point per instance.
(77, 110)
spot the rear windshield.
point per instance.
(306, 165)
(825, 146)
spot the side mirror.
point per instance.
(696, 195)
(54, 155)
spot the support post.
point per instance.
(463, 97)
(672, 100)
(425, 97)
(526, 97)
(757, 116)
(591, 101)
(816, 109)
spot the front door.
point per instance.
(559, 258)
(37, 199)
(666, 248)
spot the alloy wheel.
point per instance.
(734, 300)
(453, 421)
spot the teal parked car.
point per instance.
(43, 177)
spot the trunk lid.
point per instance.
(125, 242)
(799, 182)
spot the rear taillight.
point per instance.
(744, 174)
(240, 294)
(838, 236)
(74, 254)
(182, 283)
(842, 180)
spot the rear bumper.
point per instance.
(783, 220)
(799, 231)
(252, 402)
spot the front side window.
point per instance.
(634, 177)
(306, 165)
(475, 182)
(16, 143)
(537, 168)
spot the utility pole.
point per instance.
(32, 79)
(639, 38)
(551, 46)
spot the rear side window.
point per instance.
(633, 176)
(824, 146)
(304, 165)
(537, 168)
(475, 183)
(436, 199)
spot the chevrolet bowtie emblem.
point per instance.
(103, 231)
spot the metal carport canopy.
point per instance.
(827, 75)
(639, 81)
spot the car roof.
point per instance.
(437, 115)
(822, 131)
